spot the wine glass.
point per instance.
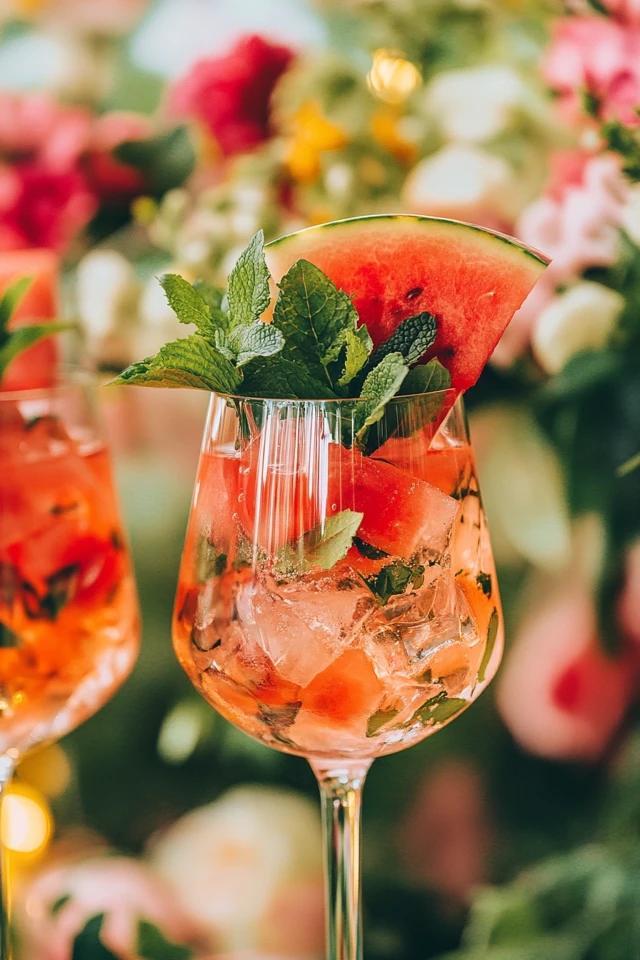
(337, 596)
(69, 623)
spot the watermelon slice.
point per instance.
(36, 368)
(471, 279)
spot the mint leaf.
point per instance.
(88, 946)
(311, 313)
(248, 291)
(358, 346)
(492, 634)
(257, 339)
(11, 300)
(9, 639)
(439, 708)
(212, 296)
(321, 547)
(378, 720)
(427, 378)
(394, 579)
(411, 339)
(190, 362)
(152, 945)
(380, 385)
(186, 303)
(24, 337)
(278, 378)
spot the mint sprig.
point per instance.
(14, 342)
(321, 547)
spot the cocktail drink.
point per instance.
(337, 596)
(335, 603)
(69, 626)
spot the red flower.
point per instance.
(231, 95)
(111, 179)
(41, 206)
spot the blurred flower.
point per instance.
(599, 57)
(477, 103)
(466, 183)
(111, 18)
(36, 126)
(581, 318)
(123, 889)
(631, 214)
(444, 837)
(559, 694)
(312, 135)
(107, 293)
(629, 602)
(109, 177)
(386, 129)
(248, 868)
(576, 223)
(230, 95)
(627, 11)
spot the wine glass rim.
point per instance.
(330, 401)
(68, 377)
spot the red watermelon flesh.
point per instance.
(36, 368)
(471, 279)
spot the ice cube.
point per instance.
(303, 625)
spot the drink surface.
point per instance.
(68, 611)
(361, 659)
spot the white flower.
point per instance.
(580, 319)
(478, 103)
(631, 213)
(229, 862)
(107, 293)
(463, 182)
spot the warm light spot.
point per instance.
(26, 821)
(47, 770)
(180, 732)
(392, 78)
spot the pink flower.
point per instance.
(600, 57)
(101, 17)
(35, 125)
(230, 95)
(576, 223)
(626, 11)
(123, 889)
(559, 694)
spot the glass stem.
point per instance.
(7, 767)
(341, 796)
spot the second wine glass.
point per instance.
(337, 595)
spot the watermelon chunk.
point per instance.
(291, 483)
(36, 367)
(471, 279)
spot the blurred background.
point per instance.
(138, 137)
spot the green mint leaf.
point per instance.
(378, 720)
(321, 547)
(358, 346)
(371, 553)
(427, 378)
(221, 343)
(257, 339)
(16, 341)
(88, 946)
(411, 339)
(212, 296)
(248, 291)
(312, 313)
(380, 385)
(11, 300)
(191, 362)
(58, 904)
(9, 639)
(394, 579)
(187, 303)
(153, 945)
(278, 378)
(492, 634)
(439, 708)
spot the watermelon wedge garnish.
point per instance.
(471, 279)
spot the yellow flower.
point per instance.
(312, 135)
(385, 131)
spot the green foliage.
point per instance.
(411, 339)
(165, 161)
(380, 385)
(153, 945)
(394, 579)
(88, 946)
(321, 547)
(14, 342)
(248, 291)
